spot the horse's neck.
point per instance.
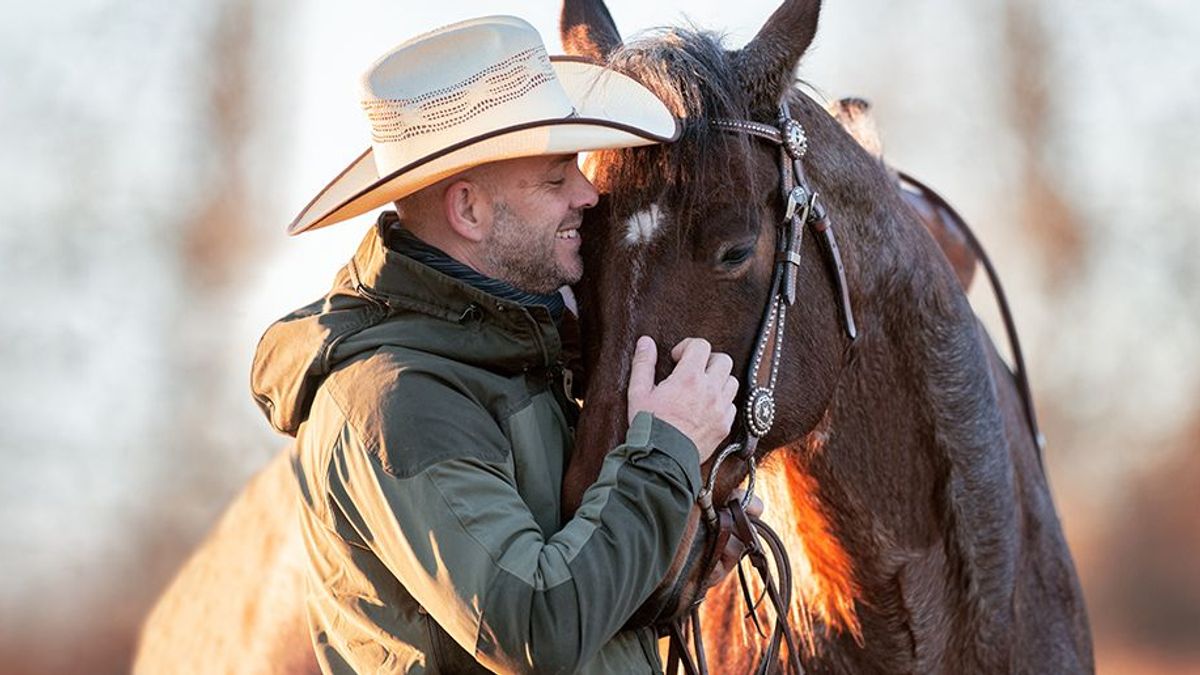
(916, 478)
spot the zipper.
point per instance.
(557, 378)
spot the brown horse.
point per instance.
(901, 465)
(237, 605)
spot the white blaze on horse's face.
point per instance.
(642, 226)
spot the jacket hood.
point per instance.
(380, 299)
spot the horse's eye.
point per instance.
(736, 256)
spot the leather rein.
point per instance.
(801, 209)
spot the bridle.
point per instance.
(801, 209)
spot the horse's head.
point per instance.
(683, 240)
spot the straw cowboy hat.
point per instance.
(474, 92)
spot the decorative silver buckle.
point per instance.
(760, 411)
(795, 141)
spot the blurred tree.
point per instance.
(1044, 209)
(136, 127)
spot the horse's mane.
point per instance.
(694, 75)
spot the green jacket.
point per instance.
(432, 432)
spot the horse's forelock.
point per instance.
(694, 75)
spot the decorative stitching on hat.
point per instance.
(398, 119)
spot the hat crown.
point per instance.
(461, 81)
(448, 54)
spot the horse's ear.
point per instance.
(587, 29)
(854, 114)
(766, 65)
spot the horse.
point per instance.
(899, 465)
(237, 605)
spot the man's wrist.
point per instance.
(653, 433)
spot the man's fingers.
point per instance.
(677, 350)
(641, 373)
(719, 364)
(691, 353)
(734, 549)
(755, 508)
(730, 390)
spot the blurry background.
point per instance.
(151, 154)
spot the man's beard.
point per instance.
(519, 254)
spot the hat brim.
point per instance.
(613, 111)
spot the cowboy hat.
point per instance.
(474, 92)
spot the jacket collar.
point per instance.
(382, 299)
(402, 284)
(399, 239)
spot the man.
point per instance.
(424, 391)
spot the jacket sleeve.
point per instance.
(456, 533)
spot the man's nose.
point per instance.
(585, 193)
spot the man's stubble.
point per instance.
(520, 254)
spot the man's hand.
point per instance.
(735, 548)
(696, 398)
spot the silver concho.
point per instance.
(795, 141)
(760, 411)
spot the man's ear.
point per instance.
(467, 206)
